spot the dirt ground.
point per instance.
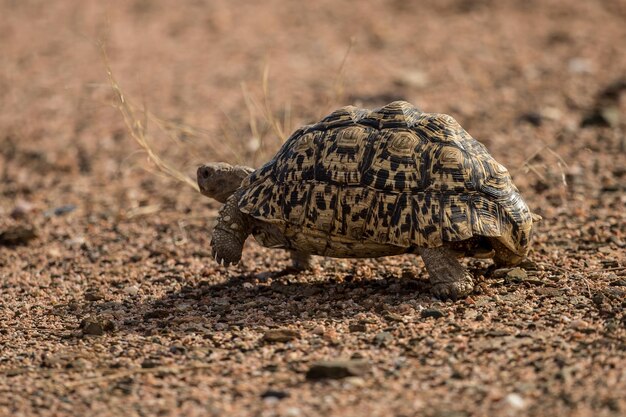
(110, 303)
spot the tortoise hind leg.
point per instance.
(447, 276)
(301, 261)
(230, 232)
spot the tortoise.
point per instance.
(363, 183)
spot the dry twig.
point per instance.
(137, 128)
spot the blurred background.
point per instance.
(517, 75)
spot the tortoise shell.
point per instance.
(392, 176)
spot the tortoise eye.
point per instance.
(203, 172)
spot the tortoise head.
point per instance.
(219, 180)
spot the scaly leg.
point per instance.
(230, 232)
(301, 261)
(447, 276)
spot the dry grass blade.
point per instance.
(337, 88)
(137, 128)
(142, 211)
(270, 124)
(254, 128)
(176, 129)
(560, 162)
(269, 115)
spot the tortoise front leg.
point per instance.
(447, 276)
(230, 232)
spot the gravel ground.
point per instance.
(110, 302)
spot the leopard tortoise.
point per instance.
(363, 183)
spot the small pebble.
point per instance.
(150, 363)
(131, 290)
(389, 316)
(382, 338)
(337, 369)
(95, 326)
(293, 412)
(412, 78)
(578, 324)
(93, 295)
(515, 401)
(76, 242)
(432, 312)
(158, 313)
(275, 394)
(21, 210)
(17, 235)
(178, 350)
(532, 118)
(318, 330)
(579, 66)
(355, 381)
(280, 335)
(516, 275)
(357, 328)
(61, 210)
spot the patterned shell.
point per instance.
(393, 176)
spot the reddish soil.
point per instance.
(92, 242)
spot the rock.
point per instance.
(579, 324)
(515, 401)
(357, 328)
(551, 113)
(548, 291)
(220, 327)
(178, 350)
(150, 363)
(77, 242)
(337, 369)
(158, 313)
(318, 330)
(389, 316)
(17, 235)
(280, 335)
(516, 275)
(432, 312)
(382, 338)
(355, 381)
(21, 209)
(331, 336)
(408, 274)
(413, 78)
(279, 395)
(61, 210)
(528, 265)
(293, 412)
(93, 295)
(131, 290)
(579, 66)
(510, 274)
(96, 326)
(532, 118)
(604, 117)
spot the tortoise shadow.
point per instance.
(244, 302)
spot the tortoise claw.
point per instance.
(453, 290)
